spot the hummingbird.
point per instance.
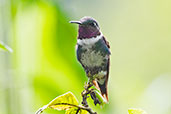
(93, 53)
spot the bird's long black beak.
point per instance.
(76, 22)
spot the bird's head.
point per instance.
(88, 27)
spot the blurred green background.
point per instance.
(43, 64)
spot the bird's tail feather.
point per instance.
(103, 89)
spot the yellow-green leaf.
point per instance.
(5, 47)
(136, 111)
(75, 110)
(64, 102)
(83, 111)
(101, 99)
(71, 111)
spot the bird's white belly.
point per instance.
(91, 58)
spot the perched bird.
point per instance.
(93, 53)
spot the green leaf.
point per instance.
(64, 102)
(83, 111)
(72, 111)
(101, 99)
(5, 47)
(136, 111)
(75, 110)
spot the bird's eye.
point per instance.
(93, 24)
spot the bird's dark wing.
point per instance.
(103, 87)
(106, 42)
